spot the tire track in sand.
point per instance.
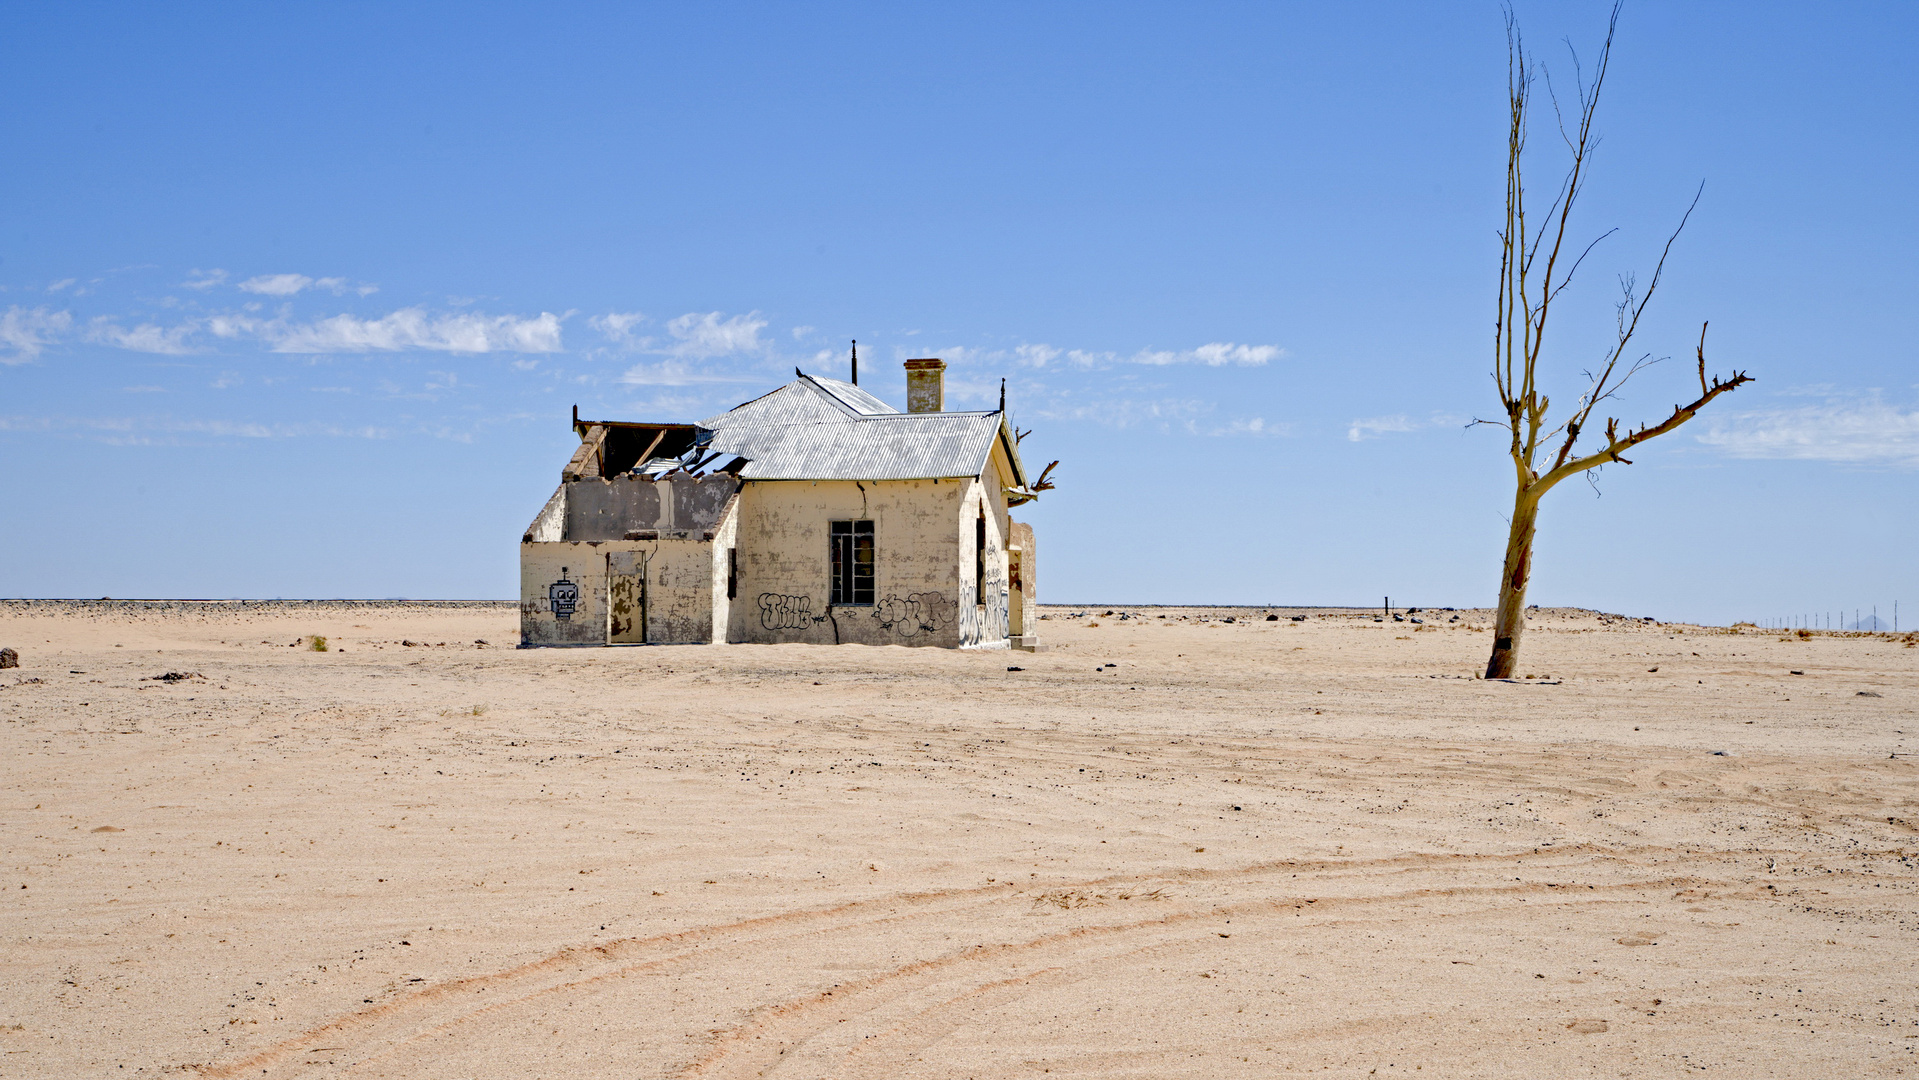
(934, 975)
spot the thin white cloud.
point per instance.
(1252, 427)
(1131, 412)
(617, 325)
(148, 431)
(231, 326)
(1214, 354)
(684, 405)
(1036, 355)
(146, 337)
(800, 332)
(413, 328)
(61, 284)
(672, 373)
(276, 284)
(294, 284)
(1040, 354)
(1373, 427)
(205, 279)
(1858, 431)
(26, 331)
(710, 334)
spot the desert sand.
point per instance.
(1169, 847)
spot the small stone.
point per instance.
(9, 658)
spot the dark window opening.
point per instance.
(979, 559)
(732, 573)
(852, 543)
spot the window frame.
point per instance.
(851, 580)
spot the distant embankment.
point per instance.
(105, 604)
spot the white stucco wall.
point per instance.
(725, 540)
(786, 565)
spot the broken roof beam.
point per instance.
(587, 459)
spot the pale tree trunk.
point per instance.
(1510, 623)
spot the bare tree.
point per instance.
(1543, 451)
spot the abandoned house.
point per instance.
(816, 513)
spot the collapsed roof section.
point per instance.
(813, 428)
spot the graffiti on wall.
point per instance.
(563, 597)
(988, 620)
(781, 612)
(916, 613)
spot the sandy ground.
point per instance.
(1167, 848)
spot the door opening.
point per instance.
(626, 598)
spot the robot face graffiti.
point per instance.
(563, 597)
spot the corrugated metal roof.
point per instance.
(824, 429)
(852, 396)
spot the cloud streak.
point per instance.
(290, 285)
(1040, 354)
(24, 332)
(1855, 432)
(146, 337)
(414, 328)
(711, 334)
(1374, 427)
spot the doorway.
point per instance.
(626, 598)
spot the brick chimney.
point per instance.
(925, 386)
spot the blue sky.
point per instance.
(298, 298)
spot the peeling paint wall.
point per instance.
(1022, 572)
(679, 592)
(785, 563)
(550, 525)
(567, 592)
(563, 593)
(598, 509)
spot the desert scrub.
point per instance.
(316, 643)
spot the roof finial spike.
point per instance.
(856, 361)
(798, 372)
(1002, 395)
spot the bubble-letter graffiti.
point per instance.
(780, 612)
(917, 613)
